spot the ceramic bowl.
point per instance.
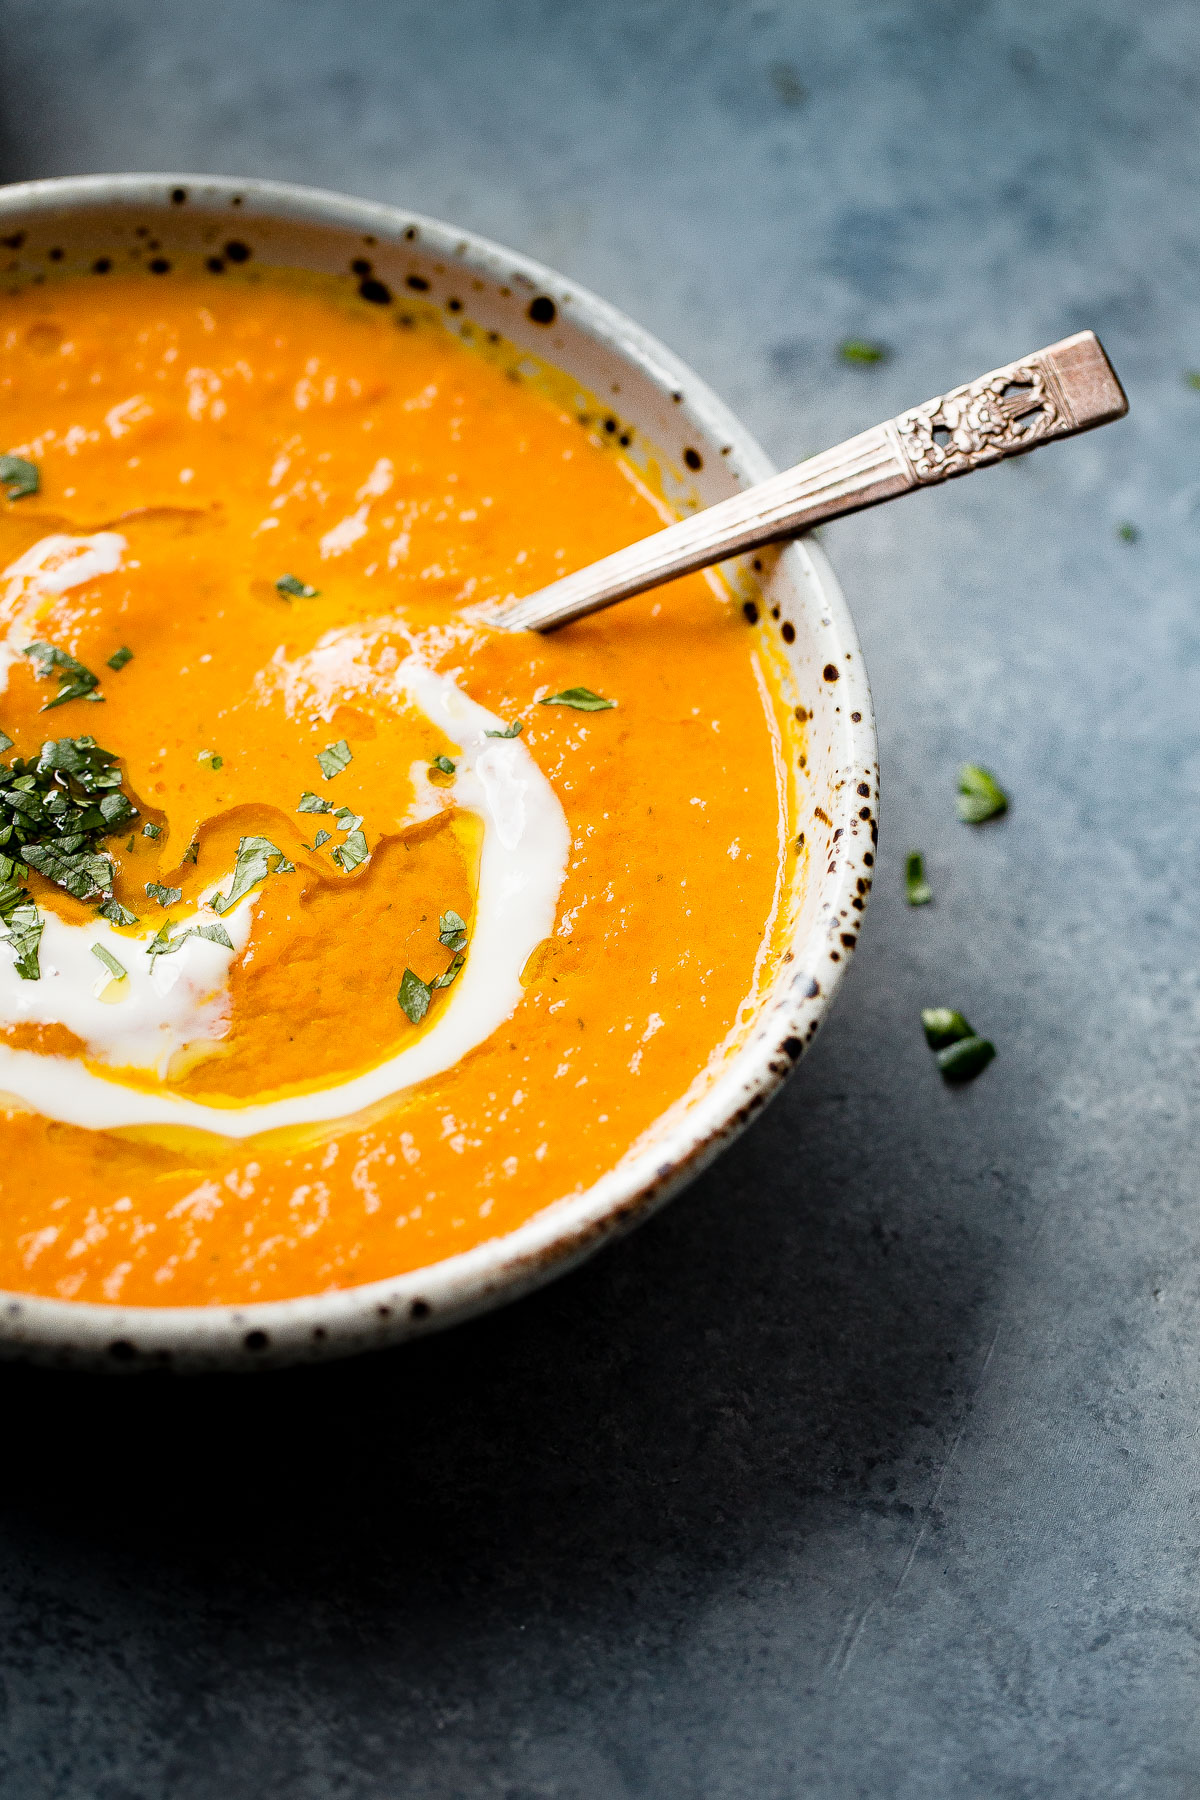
(664, 411)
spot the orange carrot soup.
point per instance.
(340, 931)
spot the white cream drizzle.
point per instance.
(183, 998)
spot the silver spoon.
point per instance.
(1070, 386)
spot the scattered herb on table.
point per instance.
(18, 476)
(442, 765)
(313, 803)
(1128, 533)
(581, 698)
(980, 795)
(74, 681)
(120, 657)
(959, 1051)
(254, 863)
(917, 890)
(115, 969)
(861, 350)
(166, 896)
(510, 731)
(1192, 377)
(291, 587)
(351, 853)
(334, 758)
(414, 996)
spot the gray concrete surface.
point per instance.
(870, 1468)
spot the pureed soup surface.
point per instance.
(382, 976)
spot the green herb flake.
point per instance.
(218, 762)
(510, 731)
(116, 914)
(322, 837)
(254, 859)
(334, 758)
(414, 996)
(292, 588)
(917, 890)
(6, 743)
(216, 934)
(861, 350)
(166, 896)
(351, 853)
(444, 980)
(74, 681)
(347, 819)
(18, 476)
(20, 914)
(1192, 377)
(452, 931)
(151, 831)
(115, 969)
(980, 795)
(1128, 534)
(580, 698)
(192, 851)
(313, 803)
(966, 1059)
(119, 658)
(443, 765)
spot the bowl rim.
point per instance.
(388, 1310)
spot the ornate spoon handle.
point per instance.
(1069, 387)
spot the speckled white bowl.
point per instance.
(147, 221)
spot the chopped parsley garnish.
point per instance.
(151, 831)
(192, 851)
(351, 853)
(980, 795)
(217, 763)
(120, 657)
(334, 758)
(452, 931)
(116, 914)
(414, 996)
(322, 837)
(581, 698)
(917, 890)
(959, 1051)
(56, 810)
(443, 765)
(510, 731)
(24, 922)
(291, 587)
(164, 895)
(443, 981)
(254, 859)
(115, 969)
(860, 350)
(310, 802)
(18, 476)
(347, 820)
(163, 944)
(6, 743)
(74, 681)
(210, 757)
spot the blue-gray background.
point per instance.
(870, 1468)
